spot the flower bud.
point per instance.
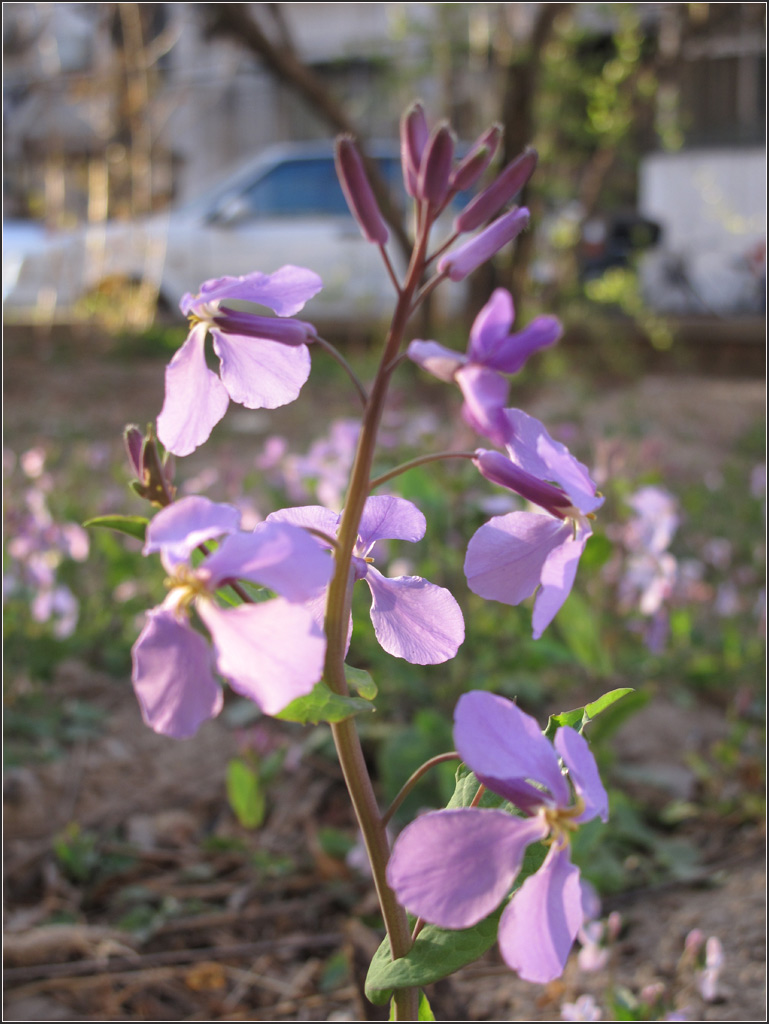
(469, 170)
(434, 171)
(500, 470)
(286, 330)
(467, 257)
(134, 442)
(414, 135)
(501, 191)
(358, 192)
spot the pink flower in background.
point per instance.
(264, 361)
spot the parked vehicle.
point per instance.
(283, 206)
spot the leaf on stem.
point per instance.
(579, 717)
(323, 705)
(134, 526)
(360, 681)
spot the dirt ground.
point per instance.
(233, 936)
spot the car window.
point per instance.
(299, 188)
(309, 187)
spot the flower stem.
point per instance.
(338, 603)
(413, 779)
(420, 461)
(334, 352)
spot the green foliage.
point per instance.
(245, 793)
(323, 705)
(133, 526)
(579, 717)
(424, 1011)
(435, 954)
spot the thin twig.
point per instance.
(390, 269)
(337, 355)
(413, 779)
(420, 461)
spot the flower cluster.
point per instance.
(38, 545)
(454, 867)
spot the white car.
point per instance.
(283, 206)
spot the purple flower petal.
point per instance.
(538, 928)
(510, 353)
(414, 619)
(285, 292)
(485, 393)
(389, 518)
(314, 517)
(505, 747)
(558, 574)
(172, 676)
(279, 556)
(271, 653)
(453, 868)
(468, 256)
(195, 398)
(179, 528)
(261, 374)
(533, 449)
(505, 557)
(583, 772)
(491, 326)
(441, 362)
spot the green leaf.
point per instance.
(466, 788)
(134, 526)
(595, 709)
(423, 1013)
(579, 717)
(360, 681)
(323, 705)
(245, 794)
(434, 955)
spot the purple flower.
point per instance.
(511, 556)
(454, 867)
(412, 619)
(264, 361)
(492, 351)
(270, 652)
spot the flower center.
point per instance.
(561, 822)
(185, 585)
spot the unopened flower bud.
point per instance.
(285, 330)
(504, 188)
(500, 470)
(414, 136)
(434, 171)
(153, 473)
(358, 192)
(466, 258)
(469, 170)
(134, 442)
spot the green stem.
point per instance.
(334, 352)
(413, 779)
(337, 620)
(419, 461)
